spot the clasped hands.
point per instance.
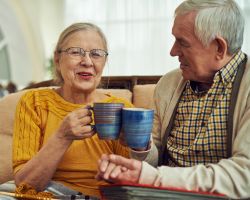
(115, 168)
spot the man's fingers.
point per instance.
(115, 172)
(109, 170)
(103, 163)
(124, 162)
(124, 169)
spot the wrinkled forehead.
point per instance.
(184, 23)
(184, 18)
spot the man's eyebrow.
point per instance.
(181, 40)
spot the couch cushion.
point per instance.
(143, 95)
(8, 109)
(7, 113)
(6, 171)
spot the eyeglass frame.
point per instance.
(83, 52)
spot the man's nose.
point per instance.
(175, 51)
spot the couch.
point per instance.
(141, 96)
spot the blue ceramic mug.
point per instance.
(137, 126)
(108, 119)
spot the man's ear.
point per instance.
(222, 48)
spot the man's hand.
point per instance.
(114, 168)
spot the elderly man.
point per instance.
(201, 132)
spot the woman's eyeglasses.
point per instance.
(78, 53)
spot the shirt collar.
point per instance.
(227, 73)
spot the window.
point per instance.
(138, 33)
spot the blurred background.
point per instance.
(138, 33)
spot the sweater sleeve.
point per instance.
(27, 131)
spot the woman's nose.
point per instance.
(86, 60)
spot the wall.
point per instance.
(25, 60)
(29, 27)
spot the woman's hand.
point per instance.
(76, 125)
(114, 168)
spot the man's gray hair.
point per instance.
(216, 18)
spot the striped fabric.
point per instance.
(58, 190)
(200, 126)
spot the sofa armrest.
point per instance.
(6, 171)
(7, 114)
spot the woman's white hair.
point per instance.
(216, 18)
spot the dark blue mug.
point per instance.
(137, 126)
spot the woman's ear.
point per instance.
(56, 59)
(222, 48)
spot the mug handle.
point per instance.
(91, 108)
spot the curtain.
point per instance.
(138, 32)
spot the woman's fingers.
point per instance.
(76, 125)
(82, 112)
(81, 136)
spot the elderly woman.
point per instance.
(54, 143)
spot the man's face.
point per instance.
(196, 61)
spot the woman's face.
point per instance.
(81, 73)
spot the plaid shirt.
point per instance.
(199, 132)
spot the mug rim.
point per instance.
(108, 103)
(137, 109)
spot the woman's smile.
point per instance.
(85, 75)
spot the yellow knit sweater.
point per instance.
(38, 114)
